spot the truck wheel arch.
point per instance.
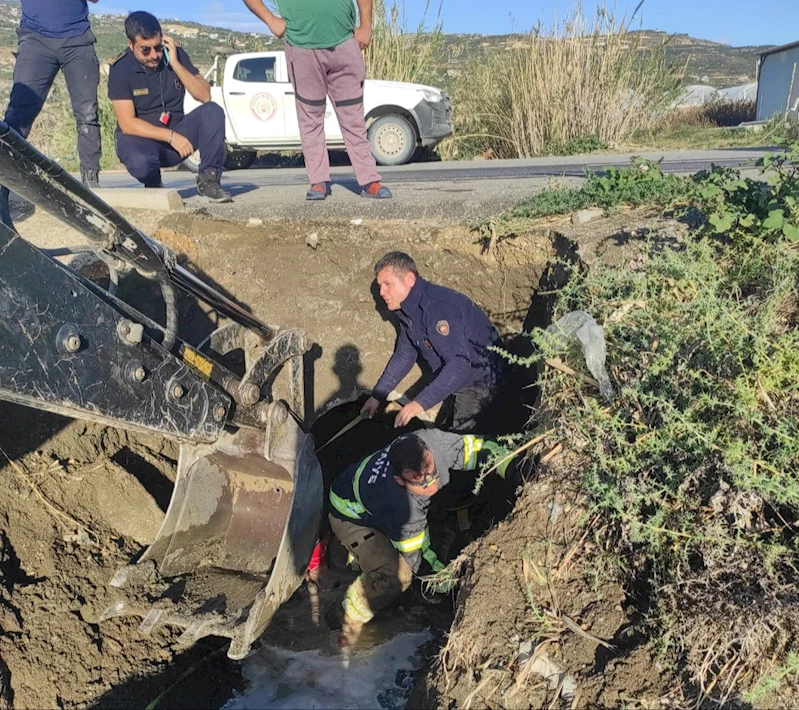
(388, 110)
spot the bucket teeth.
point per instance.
(195, 630)
(150, 621)
(117, 609)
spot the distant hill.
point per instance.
(707, 62)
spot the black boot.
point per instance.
(90, 178)
(5, 208)
(208, 186)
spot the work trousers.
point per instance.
(339, 73)
(475, 409)
(385, 574)
(38, 60)
(204, 127)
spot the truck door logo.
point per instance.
(263, 107)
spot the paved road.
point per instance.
(445, 190)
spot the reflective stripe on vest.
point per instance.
(471, 447)
(411, 544)
(349, 508)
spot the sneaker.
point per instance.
(377, 191)
(90, 178)
(318, 191)
(208, 186)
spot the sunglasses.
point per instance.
(145, 51)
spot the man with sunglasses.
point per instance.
(379, 507)
(147, 85)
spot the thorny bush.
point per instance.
(694, 468)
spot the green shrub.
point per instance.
(640, 183)
(750, 210)
(694, 467)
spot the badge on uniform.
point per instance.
(442, 327)
(427, 343)
(178, 85)
(165, 117)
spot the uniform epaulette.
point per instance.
(117, 58)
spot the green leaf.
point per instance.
(721, 221)
(775, 220)
(747, 220)
(791, 232)
(709, 191)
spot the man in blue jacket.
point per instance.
(53, 35)
(452, 335)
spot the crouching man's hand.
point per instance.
(370, 407)
(408, 412)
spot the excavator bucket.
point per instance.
(243, 519)
(237, 537)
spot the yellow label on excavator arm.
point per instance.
(198, 362)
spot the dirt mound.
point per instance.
(533, 623)
(78, 501)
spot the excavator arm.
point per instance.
(242, 521)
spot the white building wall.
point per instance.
(774, 83)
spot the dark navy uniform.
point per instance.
(452, 335)
(155, 92)
(53, 35)
(367, 506)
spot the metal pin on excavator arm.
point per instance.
(242, 522)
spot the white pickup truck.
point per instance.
(261, 114)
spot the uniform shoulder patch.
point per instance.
(442, 327)
(117, 58)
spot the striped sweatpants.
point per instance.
(339, 73)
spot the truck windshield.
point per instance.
(255, 69)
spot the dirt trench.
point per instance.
(78, 500)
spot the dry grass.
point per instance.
(395, 54)
(582, 79)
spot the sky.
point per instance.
(734, 22)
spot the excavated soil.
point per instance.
(527, 585)
(79, 500)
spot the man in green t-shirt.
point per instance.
(324, 54)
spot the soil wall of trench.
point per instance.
(79, 500)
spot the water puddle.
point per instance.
(285, 680)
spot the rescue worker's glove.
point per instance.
(432, 585)
(444, 587)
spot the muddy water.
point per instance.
(379, 678)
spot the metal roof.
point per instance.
(777, 50)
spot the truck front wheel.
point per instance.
(393, 140)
